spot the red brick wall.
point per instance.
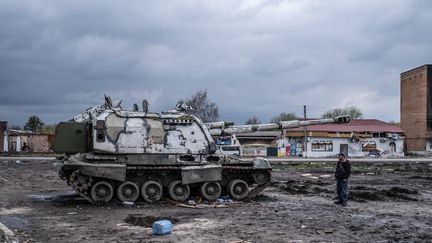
(3, 126)
(414, 107)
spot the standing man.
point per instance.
(342, 173)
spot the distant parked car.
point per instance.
(228, 150)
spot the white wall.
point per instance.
(5, 142)
(355, 148)
(428, 145)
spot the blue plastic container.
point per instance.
(162, 227)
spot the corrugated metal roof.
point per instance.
(359, 125)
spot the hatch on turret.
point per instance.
(71, 137)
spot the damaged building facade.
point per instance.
(18, 141)
(359, 138)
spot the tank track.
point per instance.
(241, 173)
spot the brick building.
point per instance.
(416, 108)
(3, 126)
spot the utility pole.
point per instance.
(305, 134)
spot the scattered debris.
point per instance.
(222, 202)
(3, 179)
(128, 204)
(192, 202)
(123, 225)
(7, 235)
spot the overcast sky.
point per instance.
(58, 58)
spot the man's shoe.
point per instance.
(337, 202)
(344, 204)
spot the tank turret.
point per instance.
(115, 153)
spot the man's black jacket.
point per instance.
(343, 170)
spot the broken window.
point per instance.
(329, 145)
(392, 147)
(322, 145)
(369, 146)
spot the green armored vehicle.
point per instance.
(111, 152)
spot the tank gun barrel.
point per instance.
(229, 130)
(218, 124)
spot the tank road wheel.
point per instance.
(151, 191)
(238, 189)
(211, 190)
(177, 191)
(128, 191)
(102, 192)
(261, 177)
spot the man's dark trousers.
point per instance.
(342, 190)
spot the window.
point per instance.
(369, 146)
(322, 146)
(329, 145)
(392, 147)
(315, 146)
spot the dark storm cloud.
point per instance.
(261, 58)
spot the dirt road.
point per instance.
(388, 202)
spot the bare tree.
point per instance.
(205, 110)
(397, 123)
(352, 111)
(49, 129)
(34, 124)
(284, 117)
(253, 120)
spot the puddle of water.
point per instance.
(146, 221)
(40, 197)
(14, 223)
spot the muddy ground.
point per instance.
(388, 202)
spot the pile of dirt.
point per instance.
(305, 187)
(363, 194)
(357, 193)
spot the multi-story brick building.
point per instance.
(416, 108)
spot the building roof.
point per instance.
(260, 134)
(412, 69)
(359, 125)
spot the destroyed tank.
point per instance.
(128, 155)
